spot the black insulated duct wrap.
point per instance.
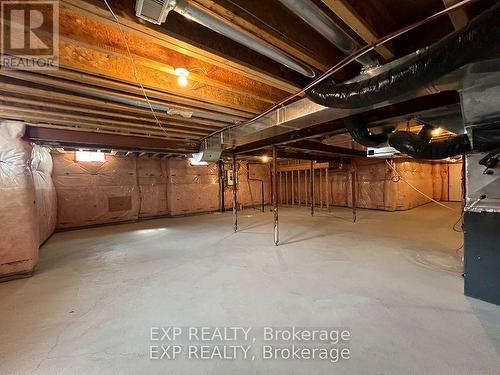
(474, 42)
(360, 133)
(419, 148)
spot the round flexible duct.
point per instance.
(474, 42)
(360, 133)
(419, 147)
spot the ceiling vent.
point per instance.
(154, 11)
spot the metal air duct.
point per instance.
(208, 20)
(318, 20)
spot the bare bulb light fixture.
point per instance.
(182, 74)
(436, 132)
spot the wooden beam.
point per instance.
(28, 90)
(50, 120)
(94, 10)
(395, 110)
(109, 141)
(238, 22)
(49, 107)
(349, 15)
(290, 154)
(146, 50)
(49, 78)
(19, 112)
(321, 147)
(458, 17)
(119, 68)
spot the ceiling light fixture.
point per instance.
(435, 132)
(265, 158)
(182, 81)
(182, 73)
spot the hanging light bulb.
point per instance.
(182, 81)
(436, 132)
(182, 73)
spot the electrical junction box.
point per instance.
(229, 177)
(381, 152)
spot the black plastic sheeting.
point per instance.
(474, 42)
(419, 148)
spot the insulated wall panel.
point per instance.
(249, 190)
(91, 193)
(152, 179)
(191, 189)
(18, 215)
(45, 192)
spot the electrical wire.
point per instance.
(455, 225)
(134, 66)
(414, 188)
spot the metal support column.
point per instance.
(305, 187)
(275, 197)
(354, 194)
(221, 186)
(320, 190)
(311, 176)
(327, 191)
(281, 187)
(293, 191)
(298, 187)
(235, 191)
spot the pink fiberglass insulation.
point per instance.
(249, 191)
(378, 187)
(18, 215)
(152, 179)
(191, 189)
(91, 193)
(45, 192)
(194, 189)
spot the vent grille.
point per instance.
(154, 11)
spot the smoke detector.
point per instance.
(154, 11)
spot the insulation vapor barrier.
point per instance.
(45, 191)
(18, 212)
(249, 191)
(377, 185)
(93, 193)
(152, 180)
(192, 189)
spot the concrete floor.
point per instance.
(392, 279)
